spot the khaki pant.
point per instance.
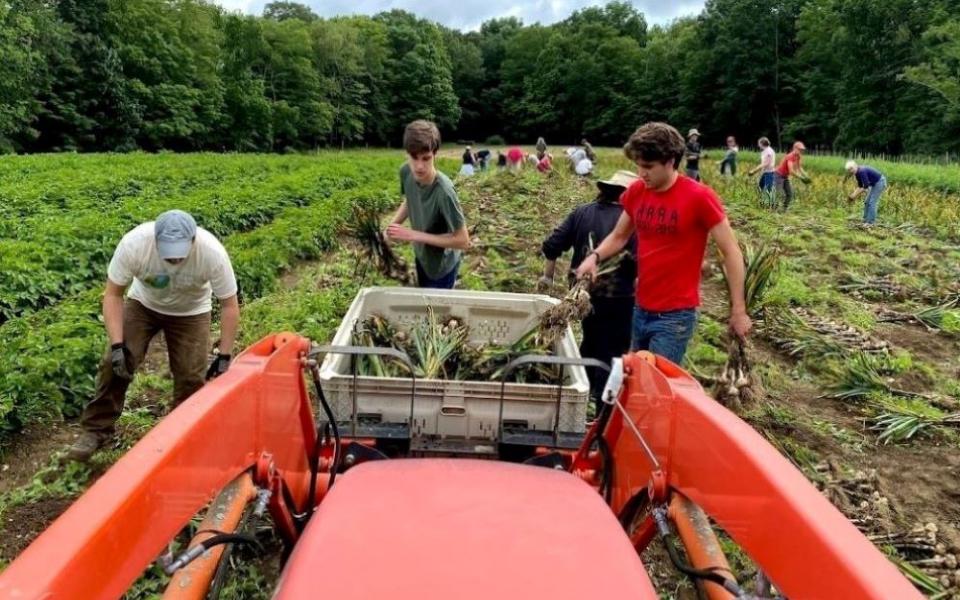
(188, 343)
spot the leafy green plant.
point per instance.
(863, 374)
(51, 353)
(761, 268)
(902, 421)
(50, 255)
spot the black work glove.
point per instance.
(219, 366)
(121, 361)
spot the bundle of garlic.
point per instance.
(737, 385)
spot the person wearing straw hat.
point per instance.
(169, 268)
(693, 154)
(606, 330)
(872, 182)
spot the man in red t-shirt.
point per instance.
(672, 216)
(789, 166)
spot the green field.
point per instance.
(857, 339)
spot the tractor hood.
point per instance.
(466, 529)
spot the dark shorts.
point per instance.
(446, 282)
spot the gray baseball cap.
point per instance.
(174, 231)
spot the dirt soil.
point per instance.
(33, 450)
(22, 524)
(922, 482)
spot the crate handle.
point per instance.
(453, 411)
(543, 359)
(353, 352)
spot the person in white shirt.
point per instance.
(767, 166)
(579, 161)
(168, 268)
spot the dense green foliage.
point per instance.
(60, 230)
(871, 75)
(291, 211)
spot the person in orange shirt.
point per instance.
(790, 167)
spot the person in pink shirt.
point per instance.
(515, 158)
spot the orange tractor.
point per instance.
(382, 516)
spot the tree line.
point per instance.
(184, 75)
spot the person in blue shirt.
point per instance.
(871, 181)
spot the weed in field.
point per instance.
(55, 480)
(901, 419)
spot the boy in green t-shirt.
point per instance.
(439, 232)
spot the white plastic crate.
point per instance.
(455, 409)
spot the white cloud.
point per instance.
(469, 14)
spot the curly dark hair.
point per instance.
(656, 142)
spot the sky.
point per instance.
(467, 15)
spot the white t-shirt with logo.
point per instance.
(177, 290)
(768, 159)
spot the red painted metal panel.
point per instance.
(802, 542)
(436, 529)
(110, 534)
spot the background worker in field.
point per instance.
(790, 167)
(767, 167)
(515, 158)
(469, 161)
(693, 152)
(672, 216)
(171, 267)
(728, 166)
(872, 182)
(589, 151)
(606, 330)
(541, 148)
(439, 231)
(580, 163)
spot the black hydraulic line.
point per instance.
(315, 463)
(710, 574)
(606, 467)
(633, 507)
(251, 516)
(191, 554)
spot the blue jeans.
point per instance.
(766, 182)
(873, 198)
(663, 333)
(445, 283)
